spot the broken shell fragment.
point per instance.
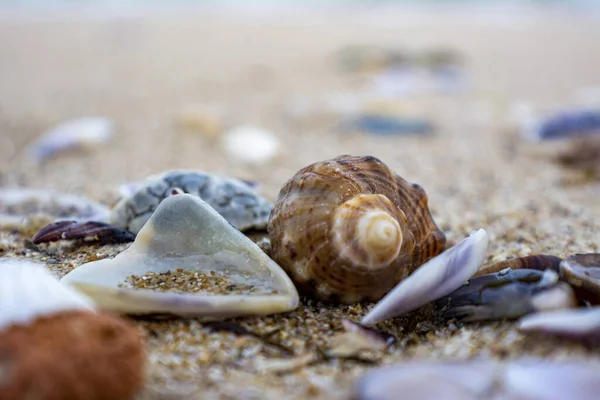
(577, 323)
(357, 338)
(436, 278)
(507, 294)
(463, 380)
(186, 235)
(582, 272)
(88, 231)
(48, 331)
(538, 262)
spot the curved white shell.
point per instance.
(235, 200)
(185, 232)
(434, 279)
(28, 291)
(577, 323)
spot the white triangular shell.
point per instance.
(436, 278)
(28, 291)
(185, 232)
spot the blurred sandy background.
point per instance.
(142, 68)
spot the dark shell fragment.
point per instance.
(582, 272)
(91, 231)
(507, 294)
(539, 262)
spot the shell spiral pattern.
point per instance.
(349, 229)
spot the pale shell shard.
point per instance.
(28, 291)
(234, 199)
(436, 278)
(427, 381)
(185, 232)
(539, 379)
(75, 134)
(348, 229)
(464, 380)
(576, 323)
(356, 339)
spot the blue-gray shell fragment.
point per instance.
(567, 125)
(234, 199)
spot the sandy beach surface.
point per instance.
(141, 70)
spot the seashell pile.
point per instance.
(344, 230)
(48, 332)
(184, 235)
(529, 287)
(349, 229)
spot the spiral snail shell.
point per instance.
(349, 229)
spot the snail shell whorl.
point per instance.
(349, 229)
(366, 230)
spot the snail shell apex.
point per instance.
(349, 229)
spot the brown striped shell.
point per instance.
(349, 229)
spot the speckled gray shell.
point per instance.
(234, 199)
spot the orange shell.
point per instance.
(349, 229)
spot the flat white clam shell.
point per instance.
(28, 291)
(436, 278)
(185, 232)
(582, 323)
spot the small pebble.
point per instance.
(251, 145)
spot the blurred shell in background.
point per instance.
(248, 144)
(77, 134)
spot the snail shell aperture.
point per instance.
(349, 229)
